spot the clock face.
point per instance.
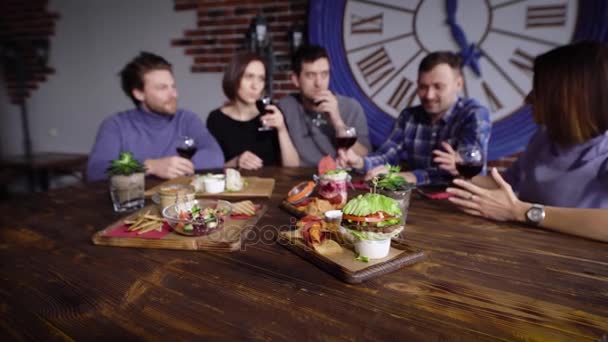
(384, 42)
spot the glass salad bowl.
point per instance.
(198, 217)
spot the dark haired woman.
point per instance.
(236, 124)
(561, 179)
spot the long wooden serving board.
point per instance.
(226, 239)
(256, 187)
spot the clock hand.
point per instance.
(457, 32)
(469, 53)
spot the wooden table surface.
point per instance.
(481, 281)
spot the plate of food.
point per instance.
(358, 247)
(198, 217)
(229, 184)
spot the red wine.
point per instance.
(469, 170)
(262, 103)
(345, 142)
(186, 152)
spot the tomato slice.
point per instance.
(326, 163)
(373, 218)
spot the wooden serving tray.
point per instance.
(226, 239)
(344, 265)
(256, 187)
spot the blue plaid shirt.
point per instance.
(414, 138)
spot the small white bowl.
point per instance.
(333, 216)
(373, 249)
(214, 185)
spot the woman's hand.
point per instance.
(447, 159)
(249, 161)
(274, 118)
(499, 204)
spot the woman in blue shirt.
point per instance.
(561, 179)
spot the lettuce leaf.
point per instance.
(364, 205)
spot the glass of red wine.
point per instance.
(261, 104)
(186, 147)
(471, 160)
(346, 137)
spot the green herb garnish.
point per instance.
(334, 172)
(362, 258)
(391, 181)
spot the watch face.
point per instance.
(535, 214)
(384, 41)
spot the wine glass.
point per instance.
(186, 147)
(346, 137)
(470, 161)
(261, 104)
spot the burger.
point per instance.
(372, 217)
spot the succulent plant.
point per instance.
(125, 165)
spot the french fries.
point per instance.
(243, 208)
(145, 223)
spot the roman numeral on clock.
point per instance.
(376, 66)
(493, 101)
(359, 25)
(403, 96)
(543, 16)
(522, 60)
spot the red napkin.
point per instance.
(121, 231)
(442, 195)
(361, 185)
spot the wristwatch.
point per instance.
(536, 214)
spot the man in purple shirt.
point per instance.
(155, 128)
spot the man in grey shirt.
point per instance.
(315, 114)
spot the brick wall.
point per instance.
(24, 24)
(222, 26)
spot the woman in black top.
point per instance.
(235, 125)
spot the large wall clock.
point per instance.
(376, 47)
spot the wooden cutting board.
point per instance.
(256, 187)
(226, 239)
(346, 267)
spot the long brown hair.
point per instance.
(570, 94)
(234, 72)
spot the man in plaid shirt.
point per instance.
(426, 136)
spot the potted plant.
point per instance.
(127, 182)
(393, 185)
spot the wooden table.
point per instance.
(40, 166)
(481, 281)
